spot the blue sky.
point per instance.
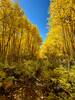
(37, 12)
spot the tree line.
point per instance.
(19, 38)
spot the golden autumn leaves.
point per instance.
(19, 38)
(61, 36)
